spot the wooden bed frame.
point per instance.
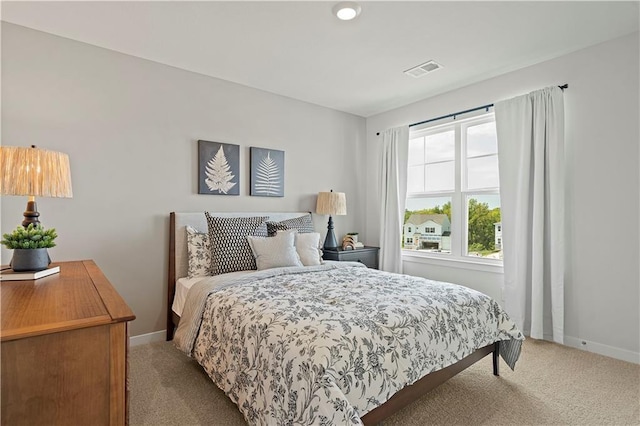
(178, 268)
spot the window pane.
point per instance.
(484, 226)
(456, 162)
(440, 146)
(482, 172)
(440, 177)
(415, 179)
(481, 139)
(416, 151)
(427, 224)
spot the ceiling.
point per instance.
(300, 50)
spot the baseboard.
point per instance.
(156, 336)
(599, 348)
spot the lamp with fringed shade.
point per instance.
(34, 172)
(333, 204)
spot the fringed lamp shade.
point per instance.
(331, 203)
(34, 172)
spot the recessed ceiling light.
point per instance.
(346, 10)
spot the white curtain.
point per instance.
(530, 131)
(393, 190)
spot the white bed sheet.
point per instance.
(184, 284)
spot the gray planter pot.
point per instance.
(30, 260)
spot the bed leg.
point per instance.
(496, 359)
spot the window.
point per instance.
(453, 189)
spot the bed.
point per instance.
(333, 343)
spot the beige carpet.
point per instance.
(552, 385)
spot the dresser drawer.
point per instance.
(367, 255)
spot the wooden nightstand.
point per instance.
(64, 349)
(367, 255)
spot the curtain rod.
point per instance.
(455, 114)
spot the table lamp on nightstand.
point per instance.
(34, 172)
(331, 203)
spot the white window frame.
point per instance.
(459, 232)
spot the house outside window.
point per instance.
(498, 235)
(437, 232)
(453, 190)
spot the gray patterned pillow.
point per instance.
(275, 252)
(261, 231)
(302, 224)
(199, 253)
(230, 249)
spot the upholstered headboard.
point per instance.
(178, 257)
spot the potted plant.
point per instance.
(29, 247)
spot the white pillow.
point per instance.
(307, 248)
(199, 253)
(274, 252)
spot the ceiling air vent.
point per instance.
(423, 69)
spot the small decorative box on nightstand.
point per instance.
(367, 255)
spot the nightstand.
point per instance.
(367, 255)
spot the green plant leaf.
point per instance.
(31, 237)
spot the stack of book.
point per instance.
(353, 246)
(7, 274)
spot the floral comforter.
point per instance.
(327, 344)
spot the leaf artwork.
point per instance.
(219, 176)
(267, 177)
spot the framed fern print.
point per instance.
(267, 172)
(218, 168)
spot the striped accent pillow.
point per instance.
(230, 250)
(302, 224)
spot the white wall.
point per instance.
(130, 127)
(602, 293)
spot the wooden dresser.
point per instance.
(64, 345)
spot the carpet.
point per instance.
(551, 385)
